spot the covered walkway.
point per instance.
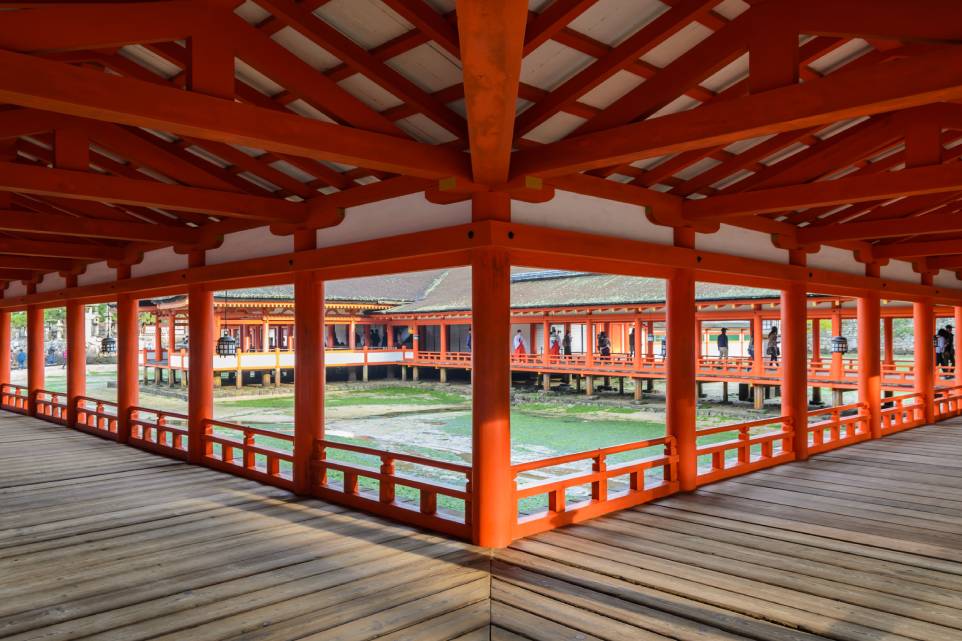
(107, 542)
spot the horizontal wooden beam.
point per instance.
(893, 184)
(37, 263)
(111, 189)
(11, 220)
(42, 84)
(918, 249)
(17, 274)
(89, 251)
(98, 26)
(839, 96)
(913, 226)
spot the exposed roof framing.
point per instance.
(127, 126)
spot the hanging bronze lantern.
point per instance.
(226, 345)
(108, 346)
(839, 344)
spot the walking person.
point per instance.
(21, 359)
(519, 348)
(631, 342)
(604, 345)
(566, 344)
(772, 345)
(949, 353)
(723, 344)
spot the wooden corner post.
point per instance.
(128, 380)
(923, 317)
(200, 393)
(308, 375)
(493, 509)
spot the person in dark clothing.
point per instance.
(566, 344)
(604, 345)
(631, 342)
(771, 347)
(723, 343)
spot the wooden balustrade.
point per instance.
(636, 488)
(238, 451)
(902, 413)
(756, 444)
(837, 426)
(51, 406)
(15, 398)
(948, 402)
(96, 416)
(159, 431)
(424, 512)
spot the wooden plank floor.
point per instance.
(100, 541)
(860, 544)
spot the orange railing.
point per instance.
(385, 501)
(837, 426)
(636, 487)
(948, 402)
(159, 431)
(96, 416)
(51, 406)
(902, 412)
(235, 448)
(756, 444)
(15, 398)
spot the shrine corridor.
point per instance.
(109, 542)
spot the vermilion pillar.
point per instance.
(128, 381)
(924, 329)
(35, 362)
(680, 373)
(869, 359)
(758, 341)
(816, 340)
(76, 358)
(200, 398)
(493, 509)
(795, 366)
(308, 375)
(889, 340)
(4, 346)
(955, 330)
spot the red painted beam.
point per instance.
(492, 37)
(21, 221)
(913, 226)
(62, 250)
(877, 89)
(893, 184)
(89, 186)
(32, 82)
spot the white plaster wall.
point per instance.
(576, 212)
(746, 243)
(840, 260)
(250, 243)
(15, 289)
(97, 273)
(946, 278)
(158, 262)
(402, 215)
(51, 282)
(900, 270)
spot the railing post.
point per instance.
(493, 509)
(308, 375)
(924, 379)
(128, 379)
(795, 366)
(200, 394)
(35, 362)
(5, 346)
(680, 367)
(869, 358)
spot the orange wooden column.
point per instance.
(758, 340)
(816, 341)
(200, 393)
(869, 356)
(35, 363)
(889, 340)
(493, 508)
(924, 329)
(76, 358)
(955, 331)
(795, 365)
(680, 373)
(309, 375)
(5, 336)
(128, 380)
